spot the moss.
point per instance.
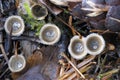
(35, 24)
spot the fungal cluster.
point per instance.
(93, 44)
(59, 39)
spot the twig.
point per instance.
(1, 6)
(70, 23)
(73, 29)
(62, 69)
(98, 65)
(101, 31)
(73, 65)
(2, 48)
(16, 49)
(4, 73)
(108, 73)
(83, 69)
(74, 62)
(3, 52)
(81, 64)
(86, 61)
(106, 77)
(102, 64)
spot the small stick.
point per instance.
(16, 49)
(70, 23)
(2, 48)
(4, 54)
(102, 31)
(4, 73)
(86, 61)
(73, 65)
(81, 64)
(73, 75)
(74, 62)
(62, 69)
(72, 28)
(70, 76)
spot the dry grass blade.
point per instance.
(115, 19)
(3, 52)
(90, 9)
(91, 4)
(94, 14)
(62, 69)
(106, 77)
(86, 61)
(73, 65)
(108, 73)
(82, 70)
(80, 65)
(74, 31)
(101, 31)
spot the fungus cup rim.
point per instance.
(102, 47)
(42, 17)
(10, 61)
(81, 55)
(44, 28)
(22, 25)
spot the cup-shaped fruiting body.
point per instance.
(17, 63)
(59, 2)
(77, 47)
(95, 44)
(14, 25)
(49, 34)
(39, 11)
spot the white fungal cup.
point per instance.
(77, 48)
(39, 12)
(49, 34)
(17, 63)
(95, 44)
(15, 23)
